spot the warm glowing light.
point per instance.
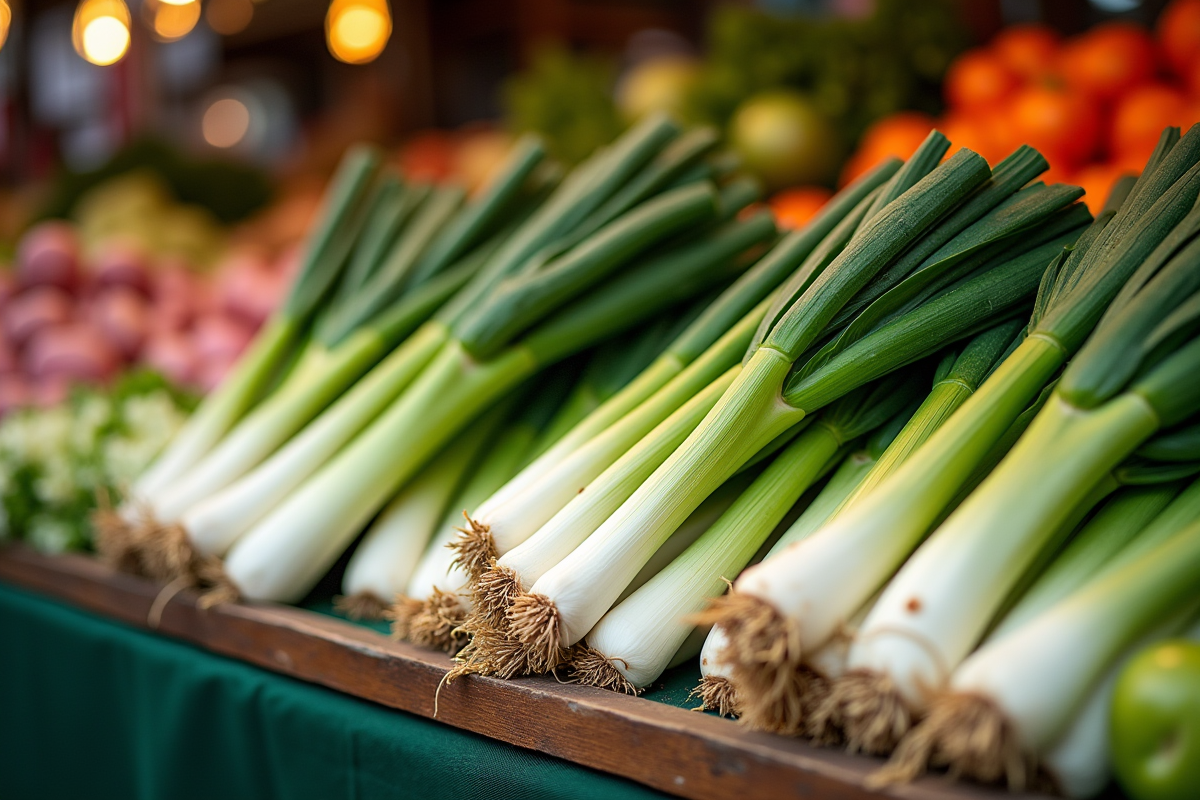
(5, 21)
(228, 17)
(357, 30)
(172, 20)
(225, 122)
(181, 2)
(100, 31)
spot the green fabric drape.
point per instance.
(91, 708)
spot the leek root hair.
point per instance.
(592, 668)
(361, 605)
(437, 624)
(765, 657)
(218, 587)
(165, 552)
(716, 693)
(492, 652)
(401, 614)
(533, 621)
(113, 536)
(474, 548)
(866, 710)
(494, 592)
(967, 733)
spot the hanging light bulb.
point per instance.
(100, 31)
(5, 21)
(171, 19)
(357, 30)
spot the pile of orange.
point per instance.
(1093, 104)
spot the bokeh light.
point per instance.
(100, 31)
(357, 30)
(228, 17)
(171, 19)
(5, 21)
(225, 122)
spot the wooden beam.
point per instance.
(674, 750)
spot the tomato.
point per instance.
(973, 132)
(782, 137)
(1097, 181)
(1027, 50)
(793, 208)
(898, 135)
(1064, 126)
(1108, 60)
(1178, 33)
(1154, 728)
(978, 79)
(428, 156)
(1141, 115)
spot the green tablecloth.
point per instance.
(91, 708)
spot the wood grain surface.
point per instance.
(674, 750)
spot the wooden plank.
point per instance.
(681, 752)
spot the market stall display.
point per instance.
(550, 436)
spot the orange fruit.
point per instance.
(1178, 32)
(1140, 116)
(1027, 50)
(974, 133)
(793, 208)
(978, 79)
(1108, 60)
(1097, 181)
(1064, 126)
(896, 135)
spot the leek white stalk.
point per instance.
(512, 523)
(384, 560)
(213, 525)
(715, 691)
(1015, 697)
(634, 641)
(589, 508)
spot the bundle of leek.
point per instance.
(345, 207)
(504, 332)
(1135, 375)
(634, 642)
(809, 592)
(1015, 698)
(783, 707)
(966, 285)
(428, 607)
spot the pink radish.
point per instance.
(173, 356)
(32, 310)
(219, 338)
(249, 290)
(78, 351)
(123, 317)
(48, 254)
(121, 264)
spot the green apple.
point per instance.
(784, 139)
(1154, 727)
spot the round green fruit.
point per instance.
(782, 137)
(1154, 727)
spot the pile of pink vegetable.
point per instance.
(69, 316)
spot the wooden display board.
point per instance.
(681, 752)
